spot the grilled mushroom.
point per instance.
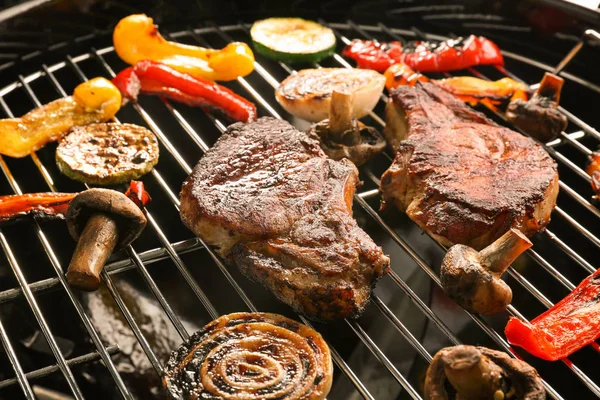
(539, 116)
(342, 136)
(472, 278)
(100, 220)
(480, 373)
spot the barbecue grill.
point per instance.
(54, 346)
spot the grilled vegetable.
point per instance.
(137, 193)
(569, 325)
(342, 136)
(468, 89)
(251, 356)
(107, 154)
(447, 55)
(154, 78)
(472, 278)
(96, 100)
(136, 38)
(480, 373)
(539, 116)
(307, 94)
(99, 220)
(292, 40)
(593, 169)
(52, 205)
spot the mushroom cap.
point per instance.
(471, 285)
(371, 143)
(130, 219)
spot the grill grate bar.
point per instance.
(40, 373)
(114, 267)
(37, 312)
(366, 339)
(14, 361)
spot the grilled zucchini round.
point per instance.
(107, 154)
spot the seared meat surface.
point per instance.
(458, 175)
(271, 201)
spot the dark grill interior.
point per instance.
(169, 284)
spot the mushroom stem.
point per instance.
(550, 87)
(471, 374)
(340, 118)
(96, 243)
(499, 255)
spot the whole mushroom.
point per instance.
(540, 116)
(479, 373)
(473, 279)
(342, 136)
(99, 220)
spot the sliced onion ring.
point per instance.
(251, 356)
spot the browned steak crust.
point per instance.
(269, 199)
(460, 176)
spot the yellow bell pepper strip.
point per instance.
(96, 100)
(136, 38)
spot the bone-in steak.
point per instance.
(458, 175)
(271, 201)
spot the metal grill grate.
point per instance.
(413, 255)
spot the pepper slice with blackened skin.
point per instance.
(422, 56)
(108, 153)
(251, 356)
(96, 100)
(569, 325)
(156, 79)
(45, 205)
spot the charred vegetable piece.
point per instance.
(153, 78)
(107, 154)
(96, 100)
(251, 356)
(569, 325)
(468, 89)
(136, 38)
(539, 116)
(472, 278)
(137, 193)
(52, 205)
(307, 94)
(292, 40)
(479, 373)
(593, 169)
(447, 55)
(99, 220)
(341, 136)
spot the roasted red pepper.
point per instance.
(137, 193)
(153, 78)
(449, 55)
(42, 204)
(571, 324)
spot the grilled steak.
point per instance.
(459, 176)
(271, 201)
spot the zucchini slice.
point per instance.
(292, 40)
(107, 154)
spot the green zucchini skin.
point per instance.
(292, 58)
(107, 153)
(271, 44)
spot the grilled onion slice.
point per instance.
(250, 356)
(307, 94)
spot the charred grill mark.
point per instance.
(257, 354)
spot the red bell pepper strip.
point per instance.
(448, 55)
(571, 324)
(138, 194)
(42, 204)
(153, 78)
